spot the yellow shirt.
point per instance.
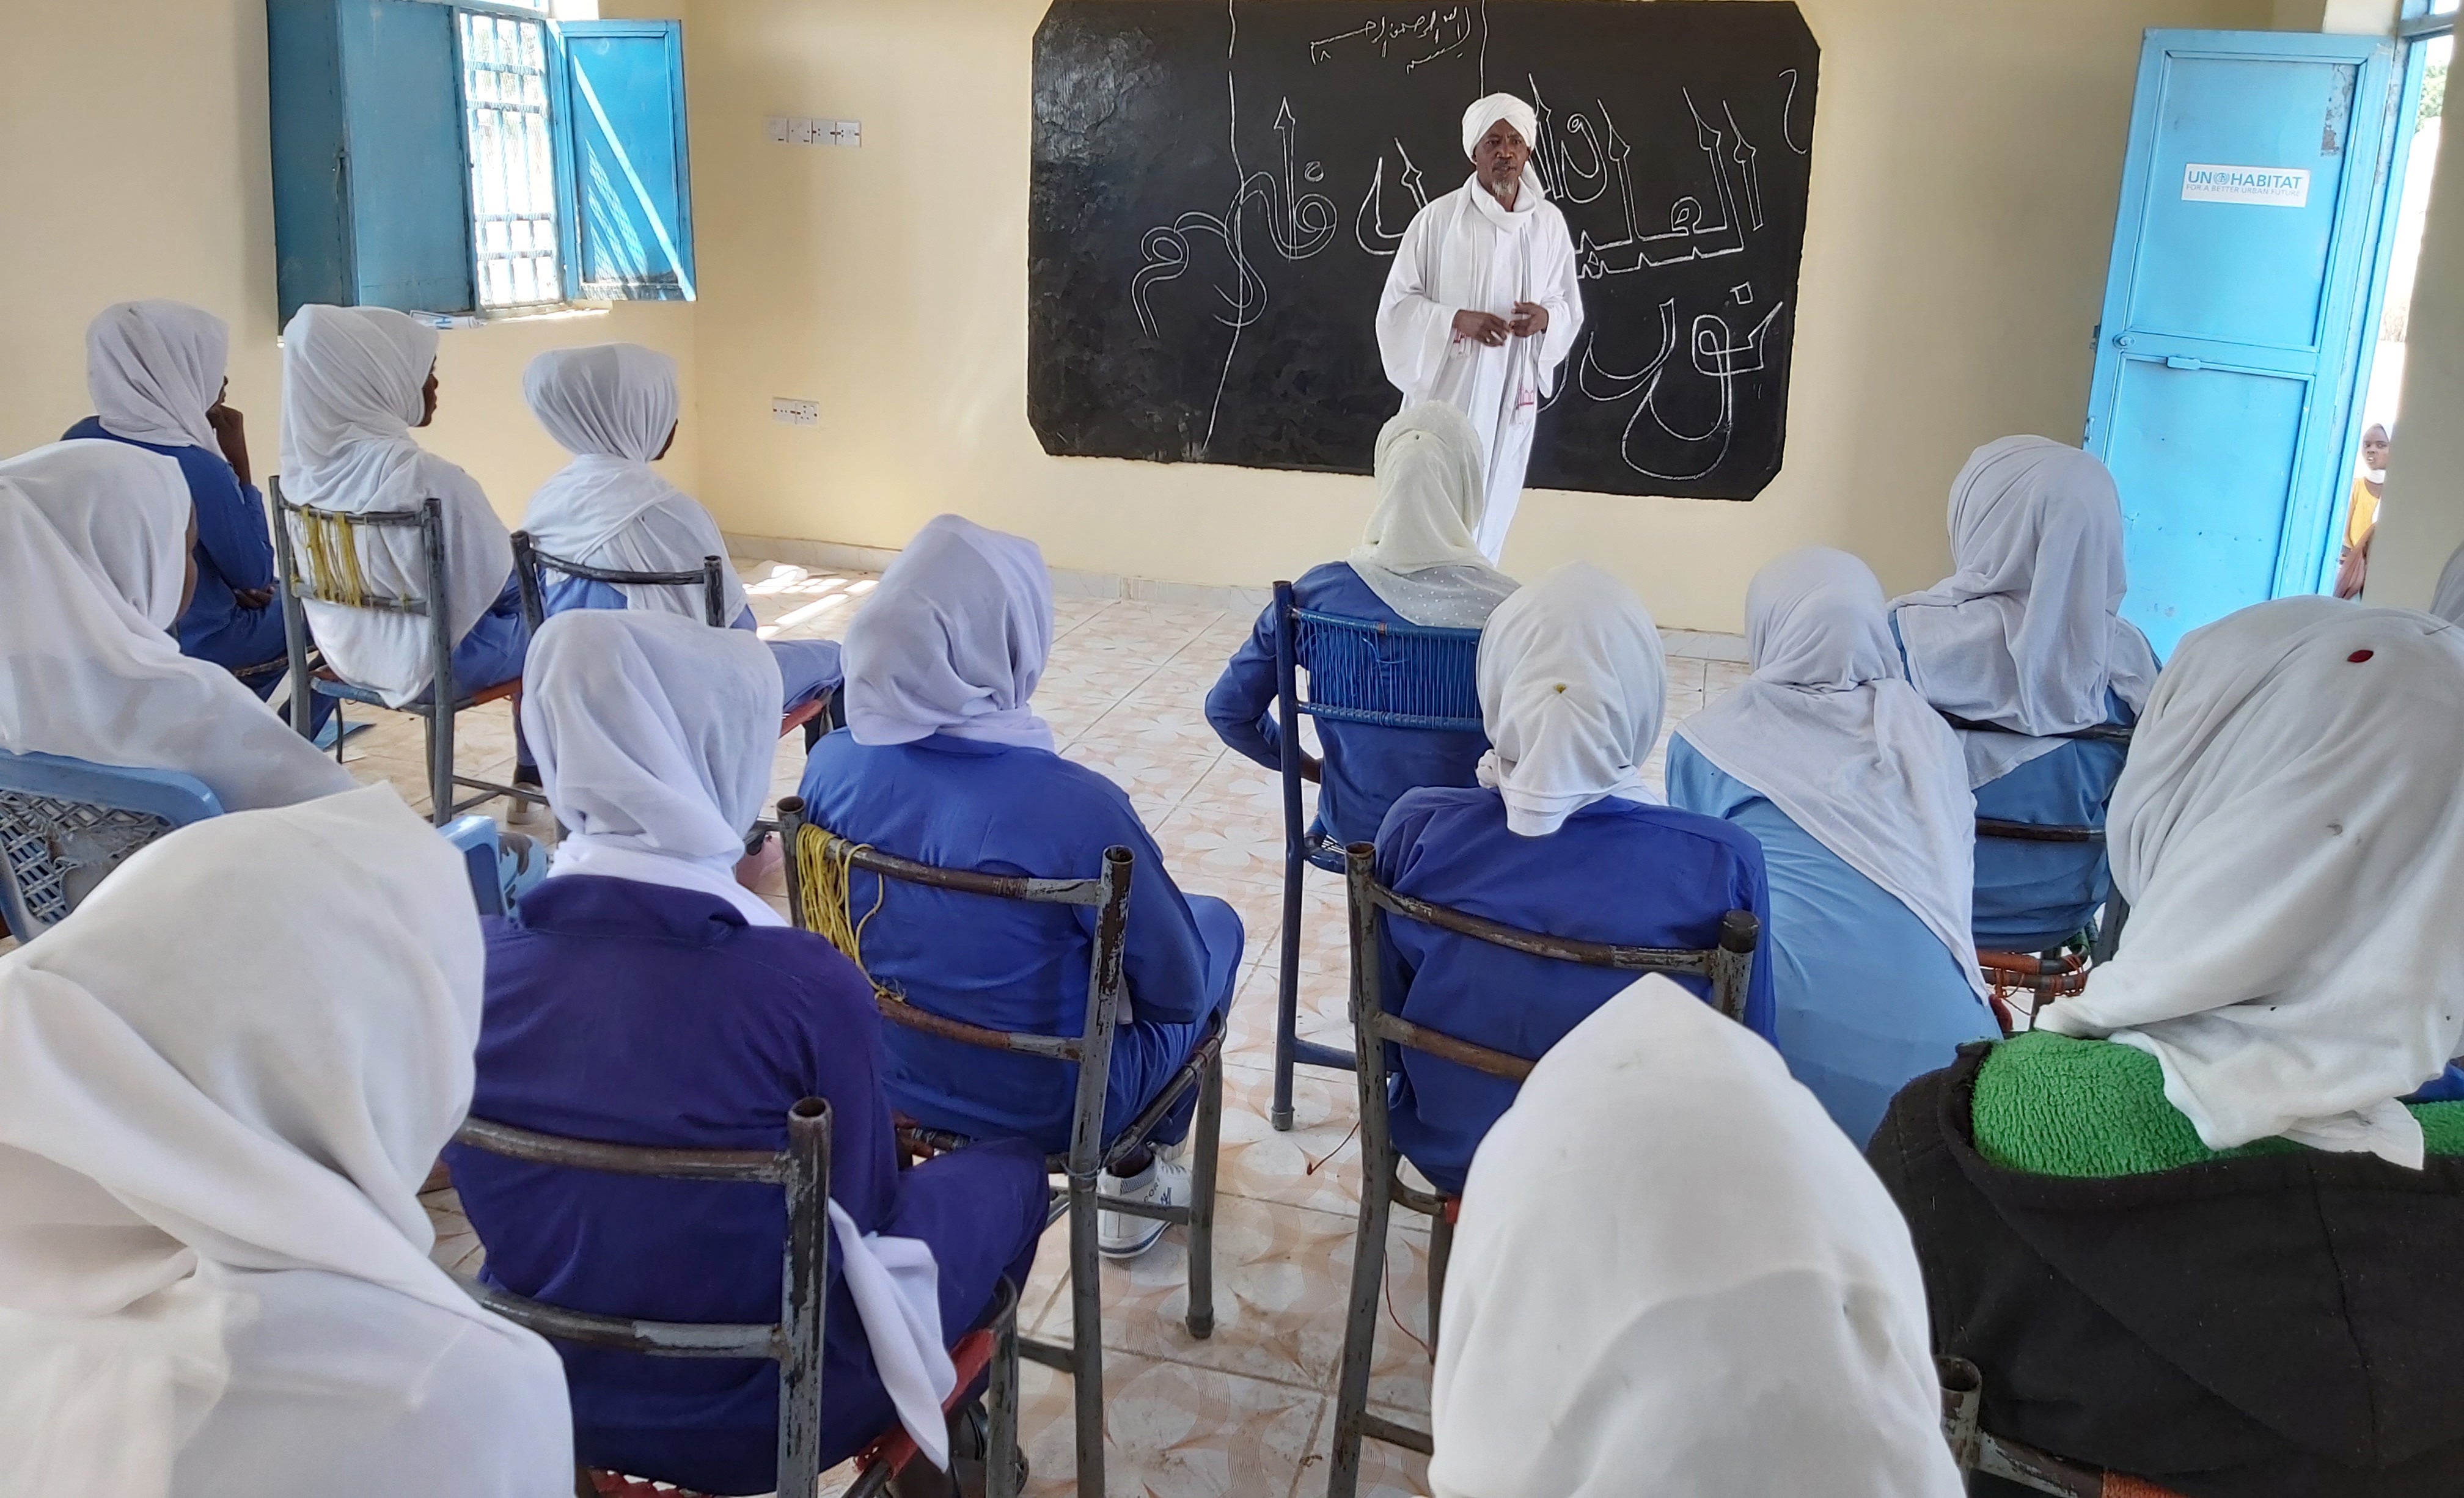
(2362, 514)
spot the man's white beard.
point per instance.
(1513, 188)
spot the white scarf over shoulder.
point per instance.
(953, 641)
(241, 1055)
(654, 735)
(1829, 731)
(613, 406)
(2448, 604)
(2026, 632)
(1673, 1276)
(154, 368)
(1418, 554)
(1573, 685)
(2289, 831)
(93, 559)
(351, 381)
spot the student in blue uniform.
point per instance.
(1563, 838)
(1417, 564)
(613, 406)
(155, 370)
(2025, 639)
(641, 996)
(944, 761)
(1857, 792)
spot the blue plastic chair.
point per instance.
(65, 823)
(1388, 676)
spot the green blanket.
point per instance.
(2050, 1105)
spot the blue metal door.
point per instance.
(2226, 355)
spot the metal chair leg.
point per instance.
(1360, 1323)
(1287, 995)
(440, 764)
(1000, 1408)
(1086, 1336)
(342, 730)
(1201, 1199)
(1442, 1248)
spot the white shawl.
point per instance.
(93, 560)
(613, 406)
(241, 1055)
(154, 368)
(1675, 1277)
(351, 380)
(2026, 631)
(1573, 685)
(952, 641)
(1828, 730)
(2290, 835)
(1418, 554)
(654, 735)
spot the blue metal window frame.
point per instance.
(562, 200)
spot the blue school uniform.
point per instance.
(1000, 809)
(235, 550)
(806, 668)
(1866, 997)
(640, 1014)
(1366, 766)
(2035, 896)
(1617, 870)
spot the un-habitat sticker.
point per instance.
(2267, 187)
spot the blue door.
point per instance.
(2227, 350)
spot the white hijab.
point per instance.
(1674, 1275)
(952, 641)
(2026, 631)
(1573, 683)
(2290, 835)
(2448, 604)
(154, 368)
(351, 381)
(93, 559)
(1828, 730)
(1418, 554)
(242, 1054)
(613, 406)
(654, 735)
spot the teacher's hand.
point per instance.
(1531, 320)
(1485, 327)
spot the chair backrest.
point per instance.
(794, 1341)
(1962, 1397)
(530, 562)
(818, 866)
(65, 823)
(319, 554)
(1394, 676)
(1728, 967)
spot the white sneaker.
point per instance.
(1120, 1235)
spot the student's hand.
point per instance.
(230, 429)
(1309, 767)
(1530, 320)
(1482, 327)
(253, 598)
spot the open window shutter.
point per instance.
(633, 192)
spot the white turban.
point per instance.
(1496, 107)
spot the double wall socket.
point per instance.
(794, 413)
(796, 130)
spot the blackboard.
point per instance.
(1219, 189)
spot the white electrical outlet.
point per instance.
(800, 130)
(794, 413)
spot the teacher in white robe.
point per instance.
(1482, 305)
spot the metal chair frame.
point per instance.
(2048, 977)
(1729, 968)
(444, 696)
(816, 717)
(795, 1341)
(59, 816)
(1963, 1394)
(1088, 1154)
(1301, 850)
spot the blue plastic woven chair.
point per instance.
(65, 823)
(1389, 676)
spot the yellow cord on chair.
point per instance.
(333, 558)
(827, 896)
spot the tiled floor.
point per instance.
(1247, 1411)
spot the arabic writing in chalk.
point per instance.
(1424, 39)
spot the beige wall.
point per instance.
(1964, 177)
(133, 163)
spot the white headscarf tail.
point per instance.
(654, 736)
(1573, 685)
(2449, 603)
(2290, 835)
(154, 368)
(2026, 632)
(92, 558)
(1418, 554)
(952, 641)
(1675, 1275)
